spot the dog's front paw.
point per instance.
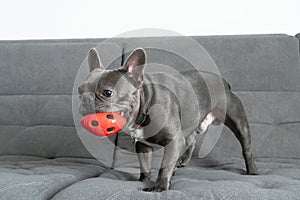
(145, 177)
(182, 163)
(155, 189)
(159, 187)
(252, 169)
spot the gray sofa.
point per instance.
(44, 152)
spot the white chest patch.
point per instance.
(140, 137)
(206, 122)
(139, 134)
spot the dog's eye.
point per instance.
(108, 93)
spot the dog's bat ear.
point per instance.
(134, 65)
(94, 60)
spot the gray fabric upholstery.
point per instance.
(37, 79)
(26, 177)
(43, 156)
(298, 36)
(260, 61)
(248, 58)
(280, 180)
(262, 70)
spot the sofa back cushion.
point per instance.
(37, 79)
(298, 37)
(263, 70)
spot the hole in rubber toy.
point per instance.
(94, 123)
(110, 116)
(110, 129)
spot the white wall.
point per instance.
(46, 19)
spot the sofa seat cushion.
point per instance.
(279, 179)
(26, 177)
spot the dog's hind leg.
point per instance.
(186, 157)
(236, 120)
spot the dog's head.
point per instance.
(113, 90)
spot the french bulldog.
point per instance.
(131, 92)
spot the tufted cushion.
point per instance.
(280, 180)
(27, 177)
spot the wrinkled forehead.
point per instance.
(110, 79)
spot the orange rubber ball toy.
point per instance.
(103, 123)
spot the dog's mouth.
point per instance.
(125, 114)
(122, 113)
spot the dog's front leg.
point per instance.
(172, 151)
(144, 153)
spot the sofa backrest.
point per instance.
(37, 79)
(298, 36)
(263, 70)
